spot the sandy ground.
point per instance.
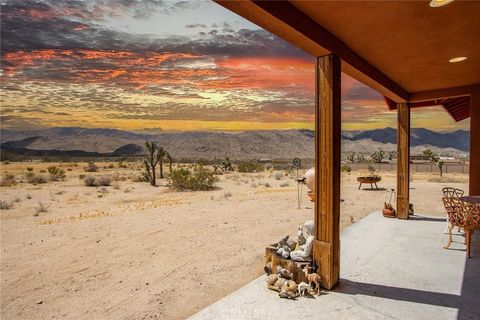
(132, 251)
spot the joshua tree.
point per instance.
(434, 158)
(155, 156)
(170, 161)
(227, 165)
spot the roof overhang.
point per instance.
(401, 49)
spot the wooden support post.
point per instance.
(474, 178)
(403, 160)
(326, 247)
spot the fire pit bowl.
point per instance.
(371, 179)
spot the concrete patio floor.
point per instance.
(390, 269)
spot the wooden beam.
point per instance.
(474, 179)
(403, 159)
(326, 247)
(444, 93)
(304, 32)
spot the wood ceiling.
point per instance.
(399, 48)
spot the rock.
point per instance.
(39, 302)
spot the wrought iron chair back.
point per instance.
(462, 214)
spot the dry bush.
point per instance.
(7, 181)
(89, 181)
(41, 207)
(278, 175)
(118, 177)
(91, 167)
(285, 184)
(138, 179)
(5, 205)
(35, 178)
(97, 181)
(103, 181)
(226, 195)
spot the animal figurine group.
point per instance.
(286, 288)
(285, 246)
(282, 282)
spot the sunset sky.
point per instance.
(174, 65)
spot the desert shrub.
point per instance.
(346, 168)
(285, 184)
(29, 169)
(103, 181)
(249, 166)
(267, 185)
(226, 195)
(89, 181)
(56, 173)
(69, 169)
(198, 179)
(5, 205)
(43, 171)
(7, 181)
(103, 190)
(139, 178)
(117, 177)
(97, 181)
(278, 175)
(28, 196)
(81, 176)
(35, 178)
(111, 166)
(91, 167)
(281, 166)
(41, 207)
(371, 168)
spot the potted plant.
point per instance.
(388, 210)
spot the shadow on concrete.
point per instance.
(471, 282)
(467, 303)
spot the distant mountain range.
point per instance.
(281, 144)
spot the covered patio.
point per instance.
(415, 55)
(384, 276)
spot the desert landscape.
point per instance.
(127, 250)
